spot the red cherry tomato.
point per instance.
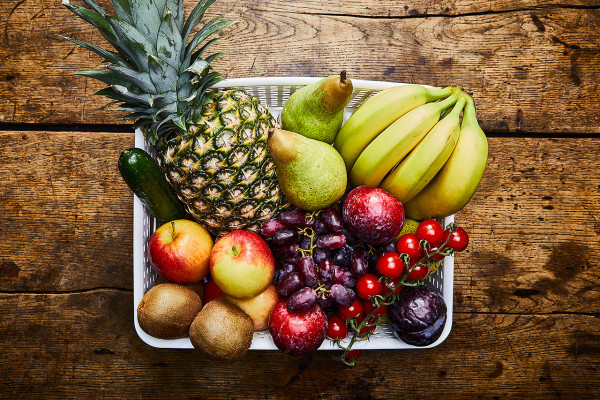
(368, 306)
(439, 256)
(392, 284)
(409, 244)
(353, 310)
(419, 272)
(365, 329)
(430, 230)
(390, 264)
(353, 354)
(459, 239)
(336, 328)
(368, 285)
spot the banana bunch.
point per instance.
(409, 140)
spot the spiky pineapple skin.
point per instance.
(220, 167)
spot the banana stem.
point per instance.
(469, 117)
(458, 107)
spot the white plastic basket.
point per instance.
(273, 92)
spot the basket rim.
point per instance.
(306, 80)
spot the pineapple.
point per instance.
(211, 145)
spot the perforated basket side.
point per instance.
(273, 92)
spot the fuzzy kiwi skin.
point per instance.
(222, 331)
(167, 310)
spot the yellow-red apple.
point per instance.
(179, 250)
(259, 307)
(242, 264)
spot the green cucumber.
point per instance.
(149, 184)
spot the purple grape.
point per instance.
(294, 259)
(343, 276)
(351, 239)
(283, 251)
(389, 246)
(320, 227)
(290, 284)
(342, 295)
(308, 271)
(284, 272)
(332, 219)
(342, 256)
(285, 236)
(359, 262)
(293, 217)
(373, 258)
(301, 300)
(326, 271)
(304, 242)
(330, 242)
(320, 255)
(325, 302)
(272, 226)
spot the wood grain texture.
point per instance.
(419, 8)
(534, 226)
(83, 345)
(535, 229)
(521, 62)
(64, 210)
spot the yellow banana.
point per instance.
(377, 113)
(395, 142)
(456, 183)
(427, 158)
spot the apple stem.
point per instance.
(173, 234)
(236, 250)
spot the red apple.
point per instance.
(179, 251)
(210, 291)
(373, 214)
(259, 307)
(297, 334)
(242, 264)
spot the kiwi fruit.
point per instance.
(222, 331)
(167, 310)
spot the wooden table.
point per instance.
(526, 303)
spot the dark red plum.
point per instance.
(373, 215)
(297, 334)
(418, 316)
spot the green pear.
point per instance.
(317, 110)
(311, 174)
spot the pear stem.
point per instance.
(343, 76)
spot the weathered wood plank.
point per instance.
(83, 345)
(420, 8)
(521, 66)
(64, 210)
(534, 227)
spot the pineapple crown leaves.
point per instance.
(157, 75)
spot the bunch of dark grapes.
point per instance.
(319, 260)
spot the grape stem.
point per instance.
(390, 298)
(310, 232)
